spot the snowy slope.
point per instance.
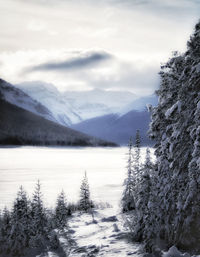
(101, 235)
(75, 106)
(117, 128)
(17, 97)
(94, 103)
(50, 97)
(140, 104)
(21, 127)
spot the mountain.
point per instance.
(110, 115)
(21, 127)
(140, 104)
(17, 97)
(49, 96)
(22, 122)
(93, 103)
(118, 128)
(73, 107)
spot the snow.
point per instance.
(72, 107)
(170, 111)
(101, 237)
(19, 98)
(197, 67)
(51, 98)
(63, 168)
(173, 252)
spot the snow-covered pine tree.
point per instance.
(5, 229)
(190, 98)
(39, 225)
(136, 167)
(128, 202)
(85, 201)
(136, 156)
(143, 194)
(61, 211)
(20, 224)
(175, 127)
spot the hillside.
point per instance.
(73, 107)
(22, 127)
(117, 128)
(17, 97)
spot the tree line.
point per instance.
(29, 225)
(164, 199)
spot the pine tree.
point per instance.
(5, 230)
(61, 211)
(128, 202)
(136, 167)
(85, 202)
(175, 195)
(144, 187)
(39, 226)
(18, 238)
(136, 156)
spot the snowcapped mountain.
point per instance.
(121, 125)
(72, 107)
(113, 116)
(50, 97)
(21, 127)
(94, 103)
(140, 104)
(118, 128)
(17, 97)
(25, 121)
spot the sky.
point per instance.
(78, 45)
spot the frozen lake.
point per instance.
(62, 168)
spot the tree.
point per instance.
(61, 211)
(136, 156)
(20, 224)
(144, 187)
(5, 229)
(174, 199)
(85, 202)
(128, 202)
(39, 225)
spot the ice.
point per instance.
(63, 168)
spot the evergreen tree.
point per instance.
(128, 202)
(85, 202)
(5, 229)
(39, 226)
(61, 211)
(136, 156)
(144, 187)
(173, 205)
(20, 224)
(136, 167)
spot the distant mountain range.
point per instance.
(23, 121)
(73, 107)
(110, 116)
(118, 128)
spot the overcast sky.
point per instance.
(89, 44)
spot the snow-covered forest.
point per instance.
(163, 199)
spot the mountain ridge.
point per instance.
(19, 126)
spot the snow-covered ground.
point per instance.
(101, 235)
(62, 168)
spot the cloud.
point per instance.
(141, 80)
(85, 60)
